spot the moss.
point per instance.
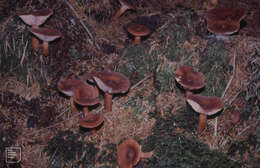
(175, 49)
(74, 52)
(14, 44)
(65, 147)
(108, 156)
(176, 150)
(187, 119)
(249, 146)
(214, 65)
(164, 79)
(138, 60)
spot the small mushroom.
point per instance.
(46, 35)
(66, 87)
(205, 105)
(224, 21)
(129, 153)
(138, 31)
(223, 28)
(224, 14)
(35, 19)
(189, 79)
(111, 83)
(85, 95)
(91, 120)
(124, 6)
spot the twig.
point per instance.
(21, 62)
(227, 87)
(82, 23)
(98, 111)
(252, 125)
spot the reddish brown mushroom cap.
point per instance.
(223, 14)
(128, 153)
(46, 34)
(86, 95)
(223, 28)
(36, 17)
(67, 86)
(225, 21)
(91, 120)
(138, 29)
(207, 105)
(189, 79)
(112, 82)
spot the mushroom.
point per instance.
(205, 105)
(224, 14)
(138, 31)
(223, 28)
(124, 6)
(91, 120)
(189, 79)
(35, 19)
(129, 153)
(224, 21)
(111, 83)
(46, 35)
(66, 87)
(85, 95)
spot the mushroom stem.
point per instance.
(108, 102)
(120, 12)
(137, 40)
(73, 107)
(187, 92)
(35, 41)
(85, 111)
(45, 48)
(202, 122)
(146, 155)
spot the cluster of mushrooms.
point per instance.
(85, 92)
(35, 19)
(191, 81)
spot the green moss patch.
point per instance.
(67, 149)
(214, 63)
(136, 59)
(177, 150)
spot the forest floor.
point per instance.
(37, 118)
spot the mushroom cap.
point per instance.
(138, 29)
(222, 14)
(189, 79)
(67, 86)
(223, 27)
(91, 120)
(36, 17)
(46, 34)
(126, 4)
(207, 105)
(112, 82)
(128, 153)
(85, 95)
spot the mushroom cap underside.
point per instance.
(208, 105)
